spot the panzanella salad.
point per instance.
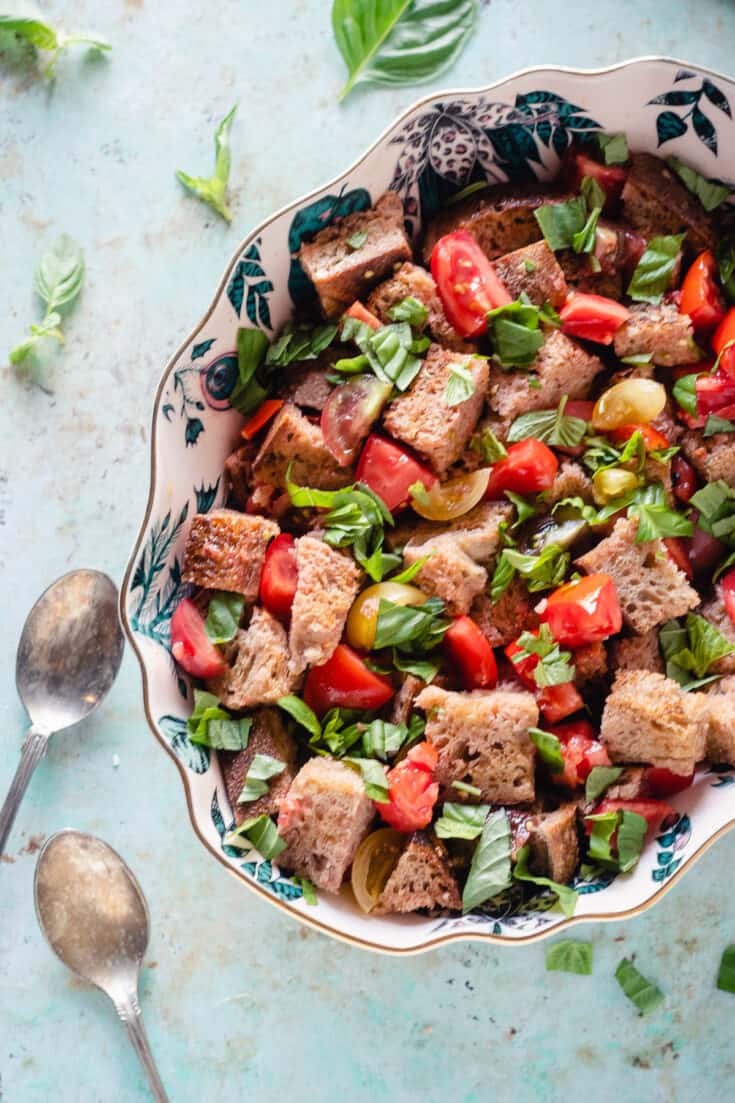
(468, 619)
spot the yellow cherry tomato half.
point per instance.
(445, 501)
(375, 859)
(608, 485)
(363, 616)
(630, 402)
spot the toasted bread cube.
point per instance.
(411, 281)
(720, 706)
(562, 367)
(225, 550)
(715, 612)
(504, 620)
(552, 837)
(648, 718)
(482, 740)
(637, 653)
(422, 879)
(323, 819)
(477, 533)
(402, 704)
(238, 475)
(651, 588)
(449, 573)
(570, 481)
(294, 440)
(306, 384)
(712, 457)
(421, 417)
(580, 276)
(342, 273)
(327, 585)
(535, 272)
(630, 785)
(259, 671)
(655, 202)
(659, 330)
(590, 663)
(267, 736)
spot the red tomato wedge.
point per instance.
(677, 552)
(470, 649)
(412, 790)
(525, 667)
(390, 471)
(279, 576)
(558, 702)
(467, 282)
(592, 317)
(715, 393)
(344, 681)
(362, 314)
(529, 468)
(190, 644)
(611, 178)
(584, 611)
(349, 414)
(581, 751)
(728, 593)
(261, 417)
(701, 298)
(653, 811)
(721, 338)
(661, 782)
(652, 439)
(683, 478)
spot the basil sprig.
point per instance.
(213, 189)
(691, 649)
(553, 427)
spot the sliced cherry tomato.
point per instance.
(524, 668)
(349, 414)
(261, 417)
(715, 393)
(592, 317)
(661, 782)
(677, 552)
(190, 644)
(652, 439)
(653, 811)
(722, 337)
(362, 314)
(412, 790)
(584, 611)
(611, 178)
(581, 751)
(728, 593)
(390, 471)
(558, 702)
(700, 296)
(470, 649)
(279, 576)
(683, 478)
(529, 468)
(344, 681)
(467, 282)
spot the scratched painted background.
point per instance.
(240, 1002)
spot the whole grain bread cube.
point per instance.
(590, 663)
(659, 330)
(630, 785)
(580, 276)
(500, 219)
(552, 837)
(715, 612)
(637, 653)
(570, 481)
(562, 367)
(411, 281)
(327, 585)
(258, 672)
(268, 735)
(482, 740)
(293, 439)
(449, 573)
(323, 819)
(422, 879)
(655, 202)
(402, 704)
(712, 457)
(503, 621)
(421, 417)
(477, 533)
(720, 739)
(651, 588)
(225, 550)
(238, 475)
(341, 272)
(535, 272)
(648, 718)
(306, 385)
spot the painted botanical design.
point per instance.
(674, 835)
(249, 286)
(156, 585)
(195, 758)
(723, 775)
(259, 869)
(690, 104)
(195, 388)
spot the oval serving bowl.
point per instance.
(516, 129)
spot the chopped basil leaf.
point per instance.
(308, 889)
(715, 503)
(470, 790)
(524, 509)
(540, 572)
(262, 768)
(223, 616)
(566, 896)
(248, 393)
(625, 829)
(383, 740)
(515, 333)
(301, 713)
(718, 425)
(390, 350)
(460, 386)
(373, 776)
(420, 668)
(549, 749)
(555, 667)
(630, 839)
(553, 427)
(559, 222)
(710, 193)
(503, 575)
(461, 821)
(260, 832)
(726, 974)
(685, 392)
(643, 993)
(726, 263)
(212, 726)
(351, 365)
(599, 779)
(409, 310)
(584, 241)
(299, 341)
(652, 275)
(593, 193)
(341, 730)
(656, 520)
(487, 445)
(529, 265)
(570, 956)
(613, 147)
(691, 650)
(490, 871)
(213, 189)
(410, 627)
(357, 240)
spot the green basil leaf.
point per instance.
(410, 627)
(685, 392)
(398, 43)
(603, 827)
(308, 889)
(389, 350)
(223, 616)
(643, 993)
(248, 394)
(584, 241)
(460, 386)
(461, 821)
(630, 839)
(524, 509)
(38, 33)
(60, 273)
(716, 424)
(726, 974)
(637, 358)
(409, 310)
(549, 749)
(696, 647)
(260, 832)
(357, 240)
(593, 193)
(570, 956)
(262, 768)
(599, 779)
(301, 713)
(652, 275)
(613, 147)
(553, 427)
(213, 189)
(710, 193)
(373, 776)
(352, 365)
(489, 872)
(470, 790)
(725, 253)
(514, 333)
(487, 445)
(529, 265)
(540, 572)
(383, 740)
(463, 193)
(566, 896)
(410, 572)
(420, 668)
(503, 575)
(298, 341)
(212, 726)
(560, 222)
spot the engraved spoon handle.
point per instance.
(34, 746)
(128, 1009)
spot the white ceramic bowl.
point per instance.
(515, 129)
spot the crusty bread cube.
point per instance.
(552, 837)
(655, 202)
(712, 457)
(225, 550)
(580, 276)
(238, 473)
(421, 417)
(422, 878)
(648, 718)
(411, 281)
(482, 740)
(327, 585)
(259, 671)
(293, 439)
(715, 612)
(651, 588)
(504, 620)
(402, 704)
(720, 706)
(477, 533)
(659, 330)
(570, 481)
(535, 272)
(630, 785)
(449, 573)
(590, 662)
(562, 367)
(342, 273)
(267, 736)
(324, 818)
(637, 653)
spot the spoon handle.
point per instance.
(128, 1009)
(33, 748)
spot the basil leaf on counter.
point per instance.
(570, 956)
(652, 275)
(549, 749)
(45, 37)
(223, 616)
(262, 768)
(643, 993)
(409, 310)
(726, 974)
(489, 871)
(461, 821)
(566, 896)
(213, 189)
(613, 147)
(710, 193)
(553, 427)
(260, 832)
(599, 779)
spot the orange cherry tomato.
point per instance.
(652, 439)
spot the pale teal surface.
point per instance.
(242, 1003)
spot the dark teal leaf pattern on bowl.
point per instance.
(194, 757)
(673, 837)
(249, 284)
(206, 496)
(201, 349)
(672, 124)
(156, 581)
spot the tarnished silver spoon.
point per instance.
(68, 657)
(95, 918)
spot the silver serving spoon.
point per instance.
(94, 916)
(68, 657)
